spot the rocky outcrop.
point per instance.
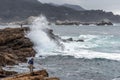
(14, 46)
(83, 23)
(104, 23)
(38, 75)
(71, 39)
(4, 73)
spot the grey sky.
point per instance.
(107, 5)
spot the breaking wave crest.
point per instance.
(94, 46)
(39, 37)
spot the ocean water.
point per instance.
(97, 58)
(97, 39)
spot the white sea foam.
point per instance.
(40, 38)
(85, 49)
(92, 54)
(44, 46)
(76, 49)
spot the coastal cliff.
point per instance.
(14, 46)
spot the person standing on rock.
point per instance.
(31, 63)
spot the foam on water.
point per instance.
(92, 54)
(81, 50)
(95, 46)
(42, 42)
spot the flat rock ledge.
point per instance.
(37, 75)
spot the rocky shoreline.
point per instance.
(37, 75)
(102, 23)
(15, 48)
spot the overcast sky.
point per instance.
(107, 5)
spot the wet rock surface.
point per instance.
(38, 75)
(4, 73)
(14, 46)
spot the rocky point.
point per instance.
(15, 47)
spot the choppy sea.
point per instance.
(97, 58)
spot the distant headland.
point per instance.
(83, 23)
(19, 10)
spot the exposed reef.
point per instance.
(83, 23)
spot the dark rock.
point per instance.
(80, 40)
(85, 24)
(104, 23)
(70, 39)
(67, 40)
(54, 37)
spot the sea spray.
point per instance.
(45, 46)
(42, 43)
